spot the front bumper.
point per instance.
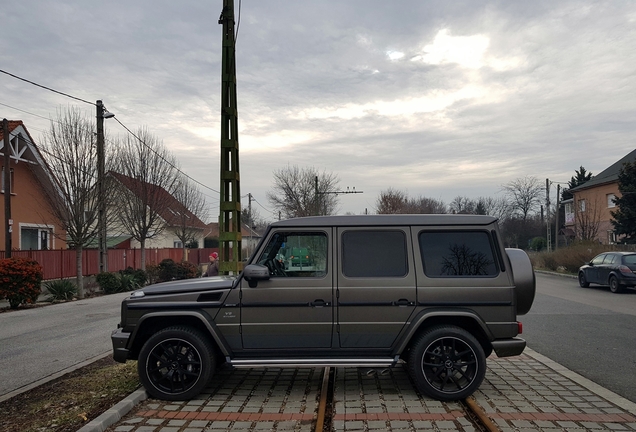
(508, 347)
(120, 342)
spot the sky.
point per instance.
(434, 98)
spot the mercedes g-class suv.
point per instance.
(438, 292)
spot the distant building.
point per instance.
(588, 214)
(32, 188)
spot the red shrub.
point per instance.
(20, 280)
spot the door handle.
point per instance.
(319, 303)
(403, 302)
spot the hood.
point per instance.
(189, 285)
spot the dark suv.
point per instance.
(438, 292)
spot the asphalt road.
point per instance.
(38, 343)
(588, 330)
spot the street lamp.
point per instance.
(102, 114)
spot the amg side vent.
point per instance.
(209, 297)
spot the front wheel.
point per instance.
(176, 363)
(447, 363)
(583, 281)
(615, 287)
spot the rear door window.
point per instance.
(457, 254)
(374, 254)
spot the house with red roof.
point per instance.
(33, 224)
(174, 217)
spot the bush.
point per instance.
(140, 276)
(20, 280)
(127, 282)
(61, 290)
(122, 281)
(537, 243)
(109, 283)
(568, 259)
(187, 270)
(169, 270)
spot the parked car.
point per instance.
(438, 293)
(615, 269)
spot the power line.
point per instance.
(47, 88)
(161, 157)
(118, 121)
(26, 112)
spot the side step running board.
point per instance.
(286, 363)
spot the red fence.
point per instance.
(59, 264)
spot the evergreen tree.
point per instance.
(624, 219)
(581, 177)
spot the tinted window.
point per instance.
(374, 254)
(629, 259)
(457, 253)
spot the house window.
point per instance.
(34, 238)
(178, 244)
(582, 205)
(569, 213)
(11, 180)
(611, 237)
(610, 200)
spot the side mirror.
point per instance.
(255, 272)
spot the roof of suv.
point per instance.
(391, 219)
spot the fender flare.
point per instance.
(201, 316)
(419, 321)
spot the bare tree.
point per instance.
(425, 205)
(70, 144)
(587, 219)
(188, 221)
(391, 201)
(304, 192)
(524, 195)
(463, 205)
(146, 177)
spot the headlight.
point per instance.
(137, 294)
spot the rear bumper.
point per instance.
(120, 342)
(508, 347)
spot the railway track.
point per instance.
(399, 408)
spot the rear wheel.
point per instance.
(176, 363)
(447, 363)
(615, 287)
(583, 281)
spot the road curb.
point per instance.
(114, 414)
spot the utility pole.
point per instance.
(7, 189)
(101, 187)
(556, 217)
(230, 206)
(547, 212)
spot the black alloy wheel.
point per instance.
(583, 281)
(447, 363)
(176, 363)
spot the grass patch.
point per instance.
(69, 402)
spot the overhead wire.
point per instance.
(47, 88)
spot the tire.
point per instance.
(176, 363)
(614, 286)
(583, 281)
(447, 363)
